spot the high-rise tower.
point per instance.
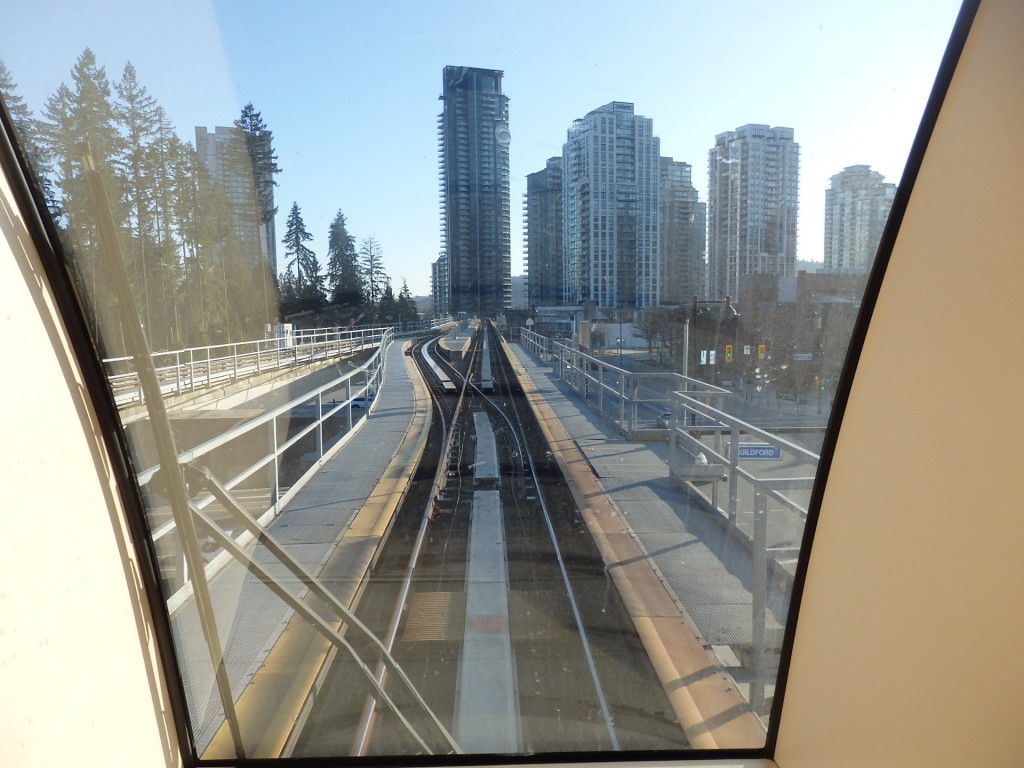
(857, 205)
(611, 191)
(683, 219)
(223, 151)
(543, 236)
(753, 173)
(473, 138)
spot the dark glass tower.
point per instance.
(474, 140)
(544, 248)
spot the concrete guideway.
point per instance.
(710, 708)
(277, 679)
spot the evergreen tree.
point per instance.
(79, 121)
(372, 266)
(407, 311)
(299, 256)
(220, 295)
(259, 143)
(20, 112)
(344, 281)
(138, 119)
(188, 247)
(302, 263)
(289, 293)
(387, 307)
(27, 128)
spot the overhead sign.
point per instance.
(759, 451)
(803, 356)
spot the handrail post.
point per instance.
(677, 412)
(320, 424)
(348, 398)
(634, 404)
(275, 487)
(758, 600)
(622, 398)
(734, 460)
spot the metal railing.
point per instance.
(766, 479)
(277, 472)
(185, 371)
(189, 370)
(631, 400)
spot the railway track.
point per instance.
(492, 596)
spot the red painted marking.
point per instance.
(487, 623)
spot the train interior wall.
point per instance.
(908, 635)
(907, 644)
(78, 680)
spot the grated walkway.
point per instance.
(710, 577)
(250, 618)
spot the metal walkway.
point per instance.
(698, 559)
(327, 517)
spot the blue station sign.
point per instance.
(760, 451)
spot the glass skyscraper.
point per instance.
(752, 206)
(473, 139)
(543, 235)
(611, 185)
(857, 205)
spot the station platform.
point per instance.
(704, 575)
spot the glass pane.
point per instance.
(416, 486)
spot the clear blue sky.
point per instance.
(350, 89)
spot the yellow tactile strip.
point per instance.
(437, 616)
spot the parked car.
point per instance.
(364, 401)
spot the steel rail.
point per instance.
(577, 615)
(209, 481)
(368, 719)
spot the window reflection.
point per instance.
(682, 300)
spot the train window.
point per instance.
(409, 487)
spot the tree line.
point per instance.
(190, 246)
(354, 288)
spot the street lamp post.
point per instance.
(734, 279)
(686, 348)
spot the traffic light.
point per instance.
(728, 353)
(760, 351)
